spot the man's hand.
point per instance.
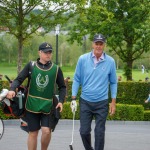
(73, 105)
(60, 105)
(112, 107)
(10, 94)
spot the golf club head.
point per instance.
(71, 148)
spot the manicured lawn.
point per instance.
(11, 71)
(136, 75)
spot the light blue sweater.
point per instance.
(95, 81)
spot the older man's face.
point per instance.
(98, 48)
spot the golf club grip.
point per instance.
(8, 79)
(71, 148)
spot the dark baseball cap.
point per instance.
(45, 47)
(99, 38)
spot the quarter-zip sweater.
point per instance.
(95, 80)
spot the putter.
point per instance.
(71, 147)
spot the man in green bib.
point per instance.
(41, 90)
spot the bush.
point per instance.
(131, 94)
(128, 92)
(67, 113)
(134, 93)
(127, 112)
(123, 112)
(147, 115)
(4, 85)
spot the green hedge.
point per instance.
(132, 94)
(127, 112)
(147, 115)
(123, 112)
(128, 93)
(67, 113)
(4, 85)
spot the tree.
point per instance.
(126, 24)
(24, 17)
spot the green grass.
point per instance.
(136, 75)
(11, 71)
(68, 71)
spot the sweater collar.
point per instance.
(101, 58)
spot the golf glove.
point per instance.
(3, 94)
(73, 105)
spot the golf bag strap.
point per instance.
(32, 63)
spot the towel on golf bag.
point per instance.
(53, 120)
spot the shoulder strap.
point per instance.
(55, 86)
(32, 63)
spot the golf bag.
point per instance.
(16, 106)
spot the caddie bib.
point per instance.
(41, 89)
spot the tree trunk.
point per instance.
(20, 45)
(128, 71)
(20, 36)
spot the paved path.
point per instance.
(120, 135)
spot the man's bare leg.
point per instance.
(46, 137)
(32, 140)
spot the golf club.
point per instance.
(71, 147)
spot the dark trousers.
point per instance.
(88, 110)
